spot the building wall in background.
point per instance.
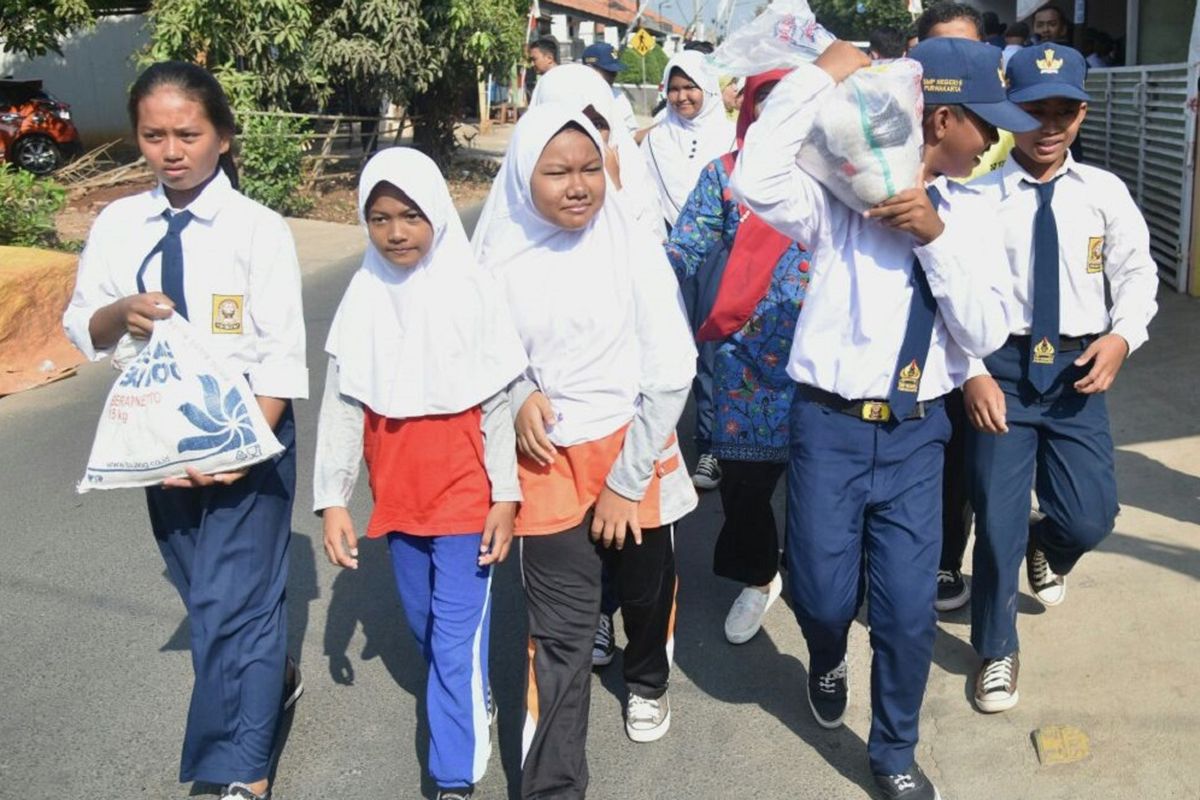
(93, 75)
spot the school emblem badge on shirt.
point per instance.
(1043, 352)
(1095, 260)
(910, 377)
(227, 313)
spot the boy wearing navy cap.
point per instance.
(1038, 404)
(603, 58)
(907, 294)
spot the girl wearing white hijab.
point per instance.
(421, 351)
(694, 132)
(610, 361)
(583, 88)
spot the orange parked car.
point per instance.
(46, 138)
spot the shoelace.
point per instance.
(903, 782)
(998, 674)
(1040, 567)
(828, 682)
(642, 709)
(946, 576)
(707, 465)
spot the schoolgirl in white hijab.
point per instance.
(611, 360)
(421, 350)
(678, 147)
(583, 88)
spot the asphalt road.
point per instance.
(95, 674)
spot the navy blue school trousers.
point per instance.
(447, 601)
(1063, 438)
(865, 515)
(226, 551)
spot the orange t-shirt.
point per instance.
(558, 497)
(427, 474)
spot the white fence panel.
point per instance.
(1139, 126)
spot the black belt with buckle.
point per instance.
(1066, 344)
(866, 410)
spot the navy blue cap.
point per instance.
(968, 73)
(1042, 71)
(602, 56)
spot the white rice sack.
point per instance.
(865, 145)
(175, 406)
(786, 34)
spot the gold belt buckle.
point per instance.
(876, 411)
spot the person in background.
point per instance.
(886, 42)
(1099, 48)
(731, 95)
(699, 46)
(602, 57)
(1015, 37)
(955, 20)
(910, 40)
(752, 392)
(993, 29)
(543, 55)
(1050, 25)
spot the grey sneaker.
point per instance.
(910, 785)
(708, 473)
(647, 720)
(746, 616)
(240, 791)
(1050, 588)
(996, 684)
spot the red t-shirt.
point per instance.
(427, 474)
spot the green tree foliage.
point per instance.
(34, 27)
(854, 20)
(631, 72)
(27, 208)
(272, 148)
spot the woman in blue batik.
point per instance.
(752, 392)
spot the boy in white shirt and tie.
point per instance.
(1038, 403)
(903, 296)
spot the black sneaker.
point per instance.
(462, 793)
(1050, 588)
(708, 473)
(911, 785)
(293, 683)
(240, 791)
(827, 696)
(604, 644)
(952, 590)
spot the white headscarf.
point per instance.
(433, 339)
(677, 149)
(581, 86)
(598, 309)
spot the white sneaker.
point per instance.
(708, 473)
(1049, 587)
(746, 615)
(647, 720)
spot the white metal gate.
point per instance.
(1139, 126)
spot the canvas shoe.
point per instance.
(746, 615)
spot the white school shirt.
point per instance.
(848, 337)
(241, 281)
(1101, 233)
(624, 110)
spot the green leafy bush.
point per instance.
(27, 208)
(656, 62)
(269, 162)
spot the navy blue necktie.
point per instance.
(1043, 335)
(910, 364)
(171, 247)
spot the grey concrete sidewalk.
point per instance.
(94, 669)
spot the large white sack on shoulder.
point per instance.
(173, 407)
(786, 34)
(866, 142)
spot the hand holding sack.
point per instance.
(865, 144)
(174, 407)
